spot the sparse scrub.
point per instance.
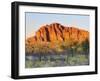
(58, 54)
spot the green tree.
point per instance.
(85, 46)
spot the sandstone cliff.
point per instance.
(58, 32)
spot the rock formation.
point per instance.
(58, 32)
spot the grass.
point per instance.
(58, 61)
(57, 54)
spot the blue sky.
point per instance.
(35, 20)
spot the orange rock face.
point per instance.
(57, 32)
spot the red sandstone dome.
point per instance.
(58, 32)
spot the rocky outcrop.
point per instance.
(58, 32)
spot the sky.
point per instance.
(35, 20)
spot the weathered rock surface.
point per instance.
(57, 32)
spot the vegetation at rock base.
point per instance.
(57, 54)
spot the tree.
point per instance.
(85, 46)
